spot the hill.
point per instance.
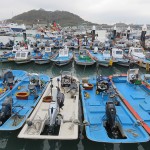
(63, 18)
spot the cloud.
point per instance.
(98, 11)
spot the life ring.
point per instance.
(22, 95)
(47, 99)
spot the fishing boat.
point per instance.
(16, 107)
(22, 57)
(17, 28)
(102, 58)
(138, 55)
(135, 95)
(106, 117)
(63, 57)
(56, 115)
(43, 57)
(146, 81)
(83, 57)
(19, 47)
(118, 58)
(7, 57)
(9, 79)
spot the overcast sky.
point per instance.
(97, 11)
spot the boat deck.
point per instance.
(21, 108)
(137, 97)
(95, 115)
(68, 129)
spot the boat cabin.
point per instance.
(133, 76)
(121, 44)
(117, 53)
(48, 50)
(147, 79)
(106, 54)
(66, 78)
(22, 55)
(64, 52)
(137, 53)
(96, 43)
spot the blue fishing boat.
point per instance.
(102, 58)
(63, 57)
(16, 107)
(105, 116)
(7, 57)
(83, 58)
(9, 79)
(135, 95)
(44, 56)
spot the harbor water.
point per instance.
(9, 140)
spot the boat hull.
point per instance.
(23, 102)
(22, 61)
(94, 107)
(41, 61)
(68, 130)
(62, 63)
(137, 99)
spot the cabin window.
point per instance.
(119, 52)
(106, 52)
(23, 54)
(138, 50)
(18, 55)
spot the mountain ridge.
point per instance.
(64, 18)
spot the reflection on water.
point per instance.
(9, 140)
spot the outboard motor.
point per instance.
(55, 118)
(65, 81)
(102, 84)
(34, 80)
(32, 90)
(60, 98)
(53, 112)
(8, 78)
(6, 110)
(111, 116)
(73, 88)
(34, 83)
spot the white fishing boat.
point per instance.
(118, 57)
(63, 57)
(56, 115)
(22, 57)
(140, 56)
(17, 28)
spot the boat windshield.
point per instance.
(17, 54)
(139, 50)
(64, 73)
(119, 52)
(106, 52)
(23, 54)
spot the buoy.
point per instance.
(110, 62)
(19, 87)
(97, 92)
